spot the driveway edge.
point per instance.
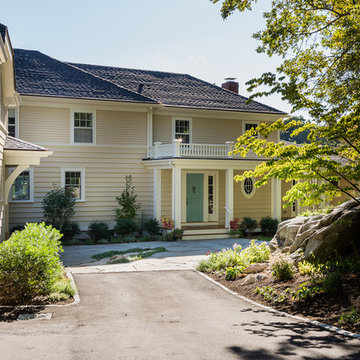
(331, 328)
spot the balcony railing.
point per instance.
(179, 149)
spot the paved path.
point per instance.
(165, 315)
(181, 255)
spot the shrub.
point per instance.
(58, 208)
(268, 225)
(128, 201)
(174, 235)
(282, 270)
(234, 224)
(70, 230)
(307, 268)
(63, 286)
(167, 223)
(352, 318)
(29, 262)
(332, 282)
(232, 273)
(248, 225)
(151, 226)
(98, 230)
(125, 226)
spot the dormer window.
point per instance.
(182, 129)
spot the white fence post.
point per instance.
(177, 143)
(230, 147)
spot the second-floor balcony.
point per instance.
(179, 149)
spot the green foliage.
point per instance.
(332, 282)
(299, 138)
(151, 226)
(269, 225)
(282, 271)
(307, 268)
(270, 294)
(322, 211)
(350, 318)
(98, 230)
(248, 225)
(236, 257)
(127, 201)
(63, 286)
(58, 208)
(304, 293)
(70, 230)
(29, 262)
(125, 226)
(232, 273)
(318, 44)
(174, 235)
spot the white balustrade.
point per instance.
(179, 149)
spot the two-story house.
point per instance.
(15, 155)
(171, 132)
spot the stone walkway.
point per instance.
(180, 255)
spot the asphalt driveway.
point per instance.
(165, 315)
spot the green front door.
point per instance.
(194, 197)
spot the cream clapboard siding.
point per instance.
(221, 197)
(166, 190)
(204, 130)
(286, 212)
(162, 129)
(119, 150)
(44, 124)
(120, 127)
(257, 206)
(105, 171)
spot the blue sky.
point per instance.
(187, 36)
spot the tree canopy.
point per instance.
(319, 44)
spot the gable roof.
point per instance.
(39, 74)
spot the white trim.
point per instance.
(31, 186)
(16, 108)
(157, 193)
(174, 118)
(229, 196)
(82, 179)
(248, 196)
(88, 110)
(207, 218)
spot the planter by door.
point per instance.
(194, 197)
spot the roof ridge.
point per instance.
(108, 81)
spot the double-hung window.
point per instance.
(12, 122)
(249, 126)
(83, 127)
(73, 180)
(183, 130)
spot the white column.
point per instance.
(176, 196)
(276, 199)
(176, 144)
(229, 196)
(157, 193)
(229, 148)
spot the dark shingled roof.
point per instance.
(3, 30)
(39, 74)
(176, 89)
(12, 143)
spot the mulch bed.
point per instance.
(323, 307)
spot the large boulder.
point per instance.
(321, 237)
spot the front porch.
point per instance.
(202, 196)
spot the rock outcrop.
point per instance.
(320, 237)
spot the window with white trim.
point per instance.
(83, 127)
(12, 122)
(182, 130)
(22, 190)
(248, 188)
(73, 181)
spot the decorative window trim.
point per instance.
(174, 118)
(248, 196)
(82, 181)
(72, 125)
(16, 120)
(244, 123)
(31, 190)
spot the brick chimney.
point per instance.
(231, 85)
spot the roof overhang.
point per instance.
(24, 157)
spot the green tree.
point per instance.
(319, 44)
(299, 138)
(128, 201)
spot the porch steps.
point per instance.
(203, 233)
